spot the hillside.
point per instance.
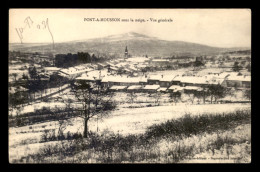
(137, 44)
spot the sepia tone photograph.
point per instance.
(129, 86)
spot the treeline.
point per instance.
(42, 115)
(245, 52)
(68, 60)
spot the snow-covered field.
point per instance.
(25, 140)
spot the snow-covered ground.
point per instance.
(135, 121)
(25, 140)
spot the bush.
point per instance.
(114, 148)
(188, 125)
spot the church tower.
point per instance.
(126, 52)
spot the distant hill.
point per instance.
(137, 44)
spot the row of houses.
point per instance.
(136, 64)
(76, 71)
(169, 82)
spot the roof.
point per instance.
(216, 81)
(176, 87)
(12, 90)
(191, 88)
(141, 65)
(162, 89)
(223, 75)
(122, 79)
(113, 68)
(101, 64)
(177, 78)
(132, 68)
(79, 67)
(160, 60)
(137, 59)
(63, 74)
(134, 87)
(109, 63)
(194, 80)
(117, 87)
(128, 70)
(168, 78)
(75, 70)
(52, 68)
(155, 77)
(151, 87)
(85, 77)
(143, 79)
(239, 78)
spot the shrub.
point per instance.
(114, 148)
(188, 125)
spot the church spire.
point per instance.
(126, 52)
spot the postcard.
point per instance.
(128, 86)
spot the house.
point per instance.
(185, 64)
(193, 81)
(154, 80)
(221, 75)
(159, 62)
(44, 77)
(51, 70)
(138, 59)
(218, 81)
(176, 80)
(143, 80)
(191, 89)
(175, 88)
(241, 82)
(162, 89)
(166, 81)
(87, 78)
(17, 89)
(119, 80)
(73, 72)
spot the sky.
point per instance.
(213, 27)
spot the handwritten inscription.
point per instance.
(30, 24)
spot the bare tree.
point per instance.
(236, 67)
(217, 92)
(131, 97)
(247, 94)
(191, 96)
(14, 75)
(94, 100)
(199, 95)
(175, 96)
(231, 92)
(157, 97)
